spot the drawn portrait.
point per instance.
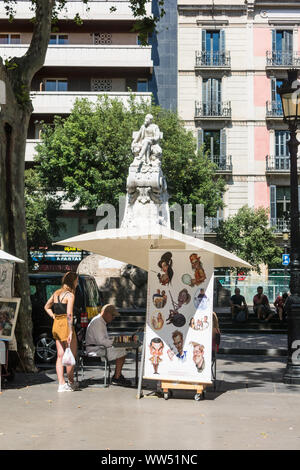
(9, 309)
(165, 264)
(157, 321)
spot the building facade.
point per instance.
(231, 57)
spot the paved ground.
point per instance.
(251, 409)
(254, 341)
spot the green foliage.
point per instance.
(41, 213)
(249, 236)
(87, 155)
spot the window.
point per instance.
(213, 46)
(59, 39)
(10, 39)
(282, 47)
(276, 100)
(211, 140)
(142, 85)
(56, 84)
(211, 96)
(281, 144)
(214, 142)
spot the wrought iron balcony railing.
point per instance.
(278, 163)
(279, 225)
(223, 162)
(274, 109)
(212, 110)
(212, 59)
(282, 59)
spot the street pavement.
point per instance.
(251, 409)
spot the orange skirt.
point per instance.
(60, 328)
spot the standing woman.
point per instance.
(60, 308)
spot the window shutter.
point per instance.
(287, 44)
(273, 40)
(299, 198)
(223, 144)
(200, 138)
(222, 41)
(272, 203)
(273, 90)
(203, 40)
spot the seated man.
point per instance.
(239, 307)
(261, 306)
(96, 335)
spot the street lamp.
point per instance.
(289, 93)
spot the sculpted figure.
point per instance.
(145, 144)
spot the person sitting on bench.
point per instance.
(97, 336)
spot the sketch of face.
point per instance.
(156, 349)
(178, 343)
(198, 354)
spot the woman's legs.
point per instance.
(60, 347)
(70, 369)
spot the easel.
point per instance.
(167, 385)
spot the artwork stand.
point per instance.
(178, 333)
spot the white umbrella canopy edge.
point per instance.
(131, 245)
(7, 257)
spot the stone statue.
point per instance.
(147, 196)
(145, 144)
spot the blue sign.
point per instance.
(285, 260)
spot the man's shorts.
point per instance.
(112, 353)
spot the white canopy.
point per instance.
(131, 245)
(7, 257)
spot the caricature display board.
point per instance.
(178, 340)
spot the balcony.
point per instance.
(223, 163)
(97, 10)
(278, 164)
(274, 110)
(282, 60)
(62, 102)
(211, 60)
(215, 111)
(75, 55)
(279, 225)
(30, 149)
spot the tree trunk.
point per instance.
(17, 74)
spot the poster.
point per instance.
(6, 279)
(179, 316)
(9, 309)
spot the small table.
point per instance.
(130, 345)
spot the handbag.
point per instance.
(68, 358)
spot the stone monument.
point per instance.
(146, 205)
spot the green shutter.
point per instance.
(272, 202)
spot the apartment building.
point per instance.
(231, 57)
(102, 55)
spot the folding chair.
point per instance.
(84, 360)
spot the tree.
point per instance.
(16, 74)
(87, 155)
(42, 211)
(249, 236)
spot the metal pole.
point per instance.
(292, 372)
